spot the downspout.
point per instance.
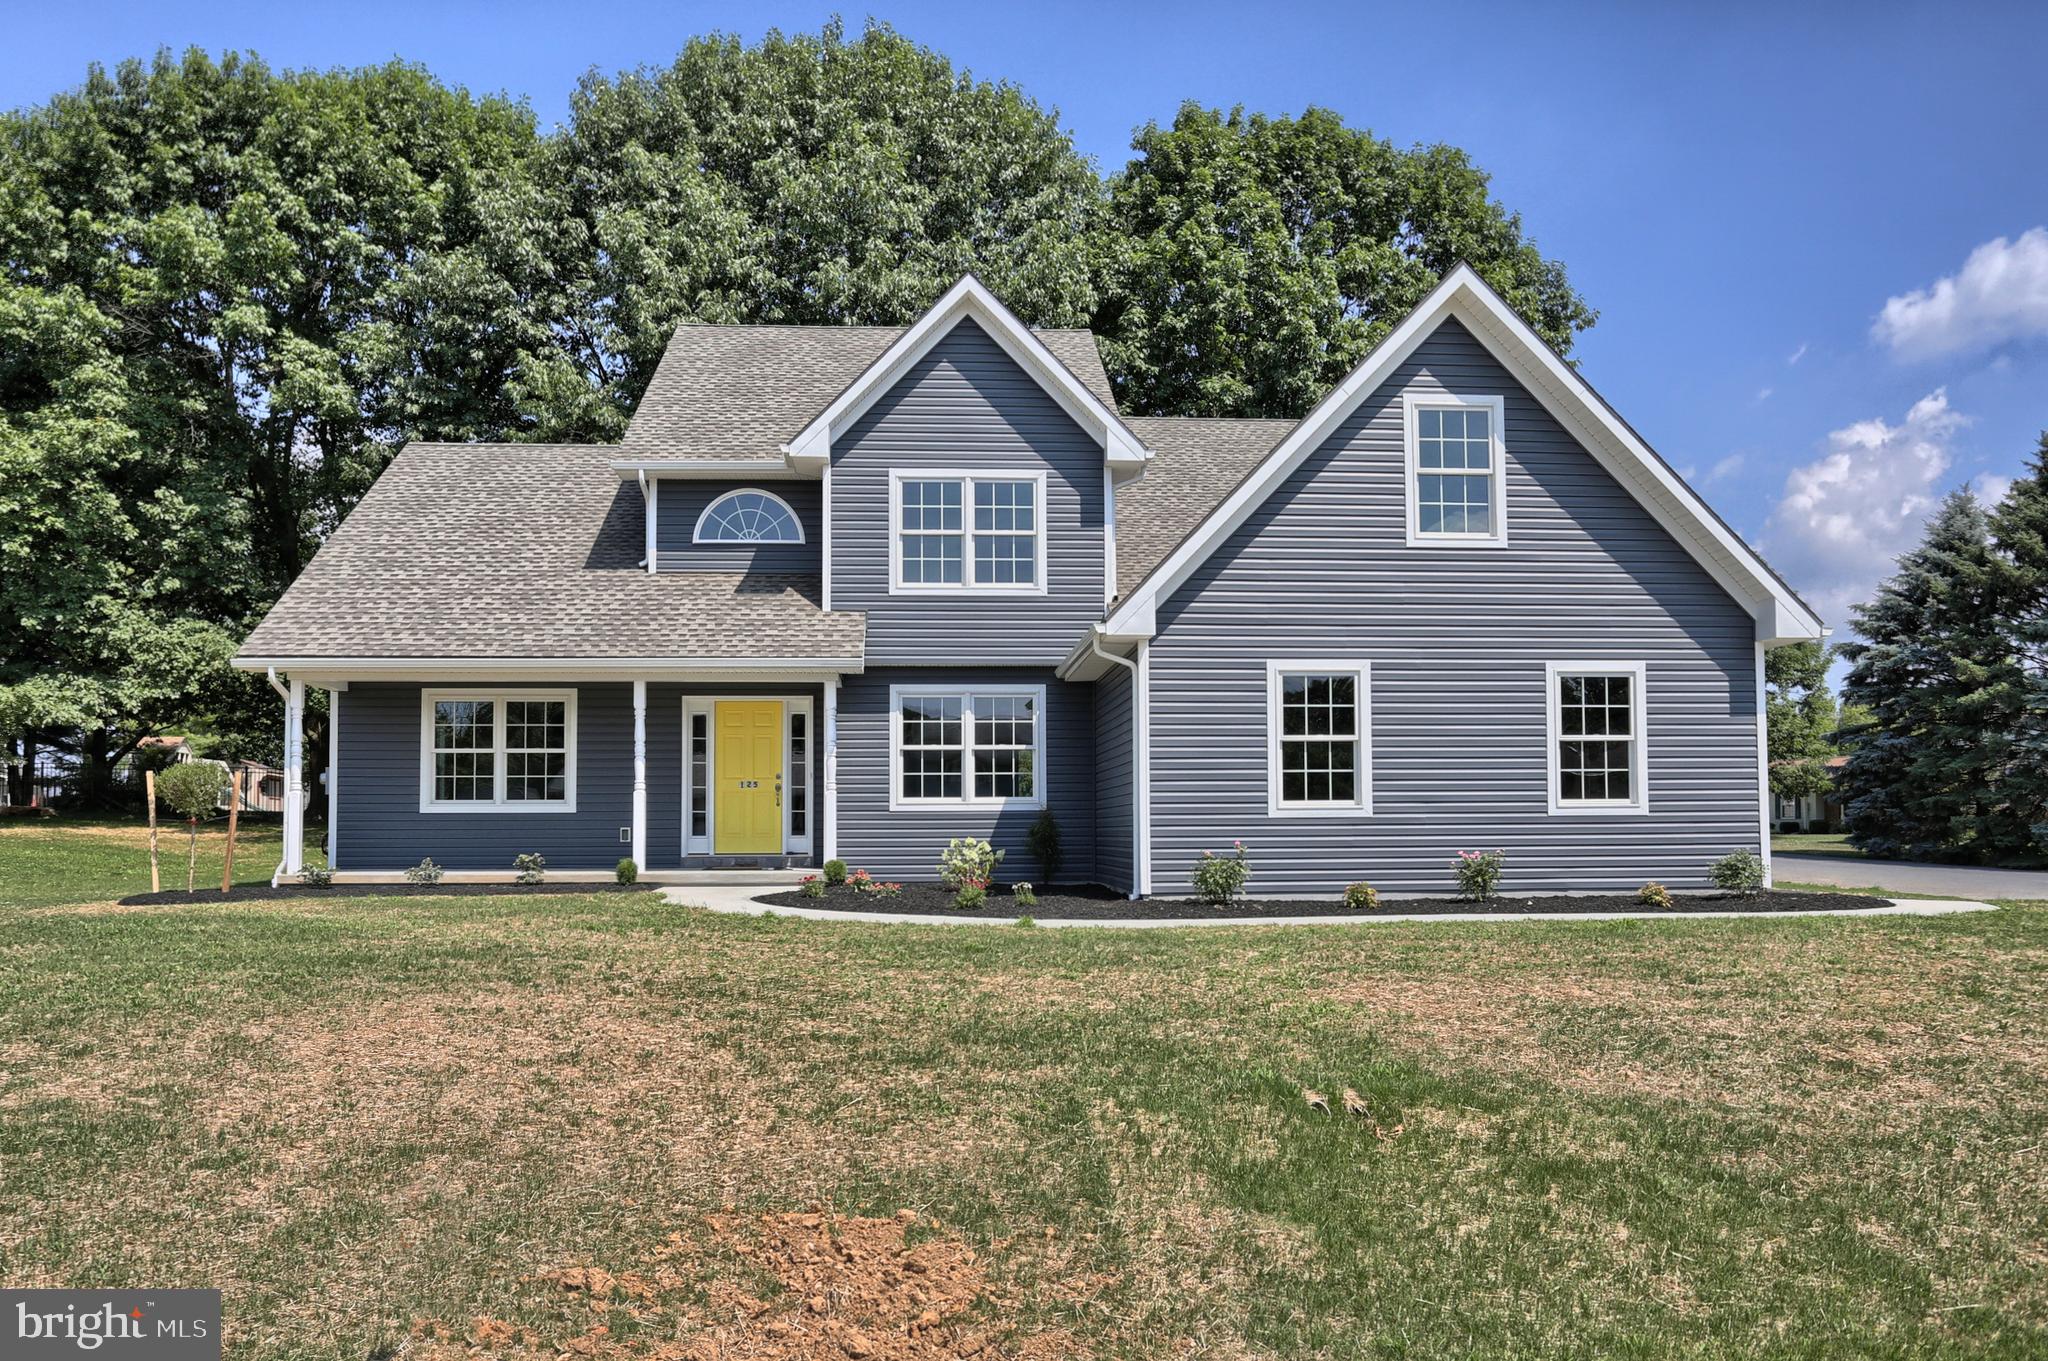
(270, 674)
(1140, 811)
(647, 514)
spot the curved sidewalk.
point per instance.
(742, 901)
(1909, 876)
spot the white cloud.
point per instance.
(1764, 394)
(1726, 467)
(2000, 294)
(1797, 354)
(1845, 516)
(1990, 488)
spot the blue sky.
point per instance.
(1763, 201)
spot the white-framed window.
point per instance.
(1456, 470)
(484, 750)
(1598, 723)
(951, 745)
(953, 531)
(748, 515)
(1319, 737)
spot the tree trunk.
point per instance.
(95, 788)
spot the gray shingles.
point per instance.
(741, 391)
(529, 550)
(1197, 461)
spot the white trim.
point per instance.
(968, 298)
(653, 490)
(825, 532)
(967, 478)
(966, 694)
(1561, 390)
(333, 772)
(707, 705)
(1144, 809)
(1413, 404)
(792, 844)
(1763, 768)
(1639, 738)
(639, 833)
(498, 803)
(697, 530)
(719, 468)
(1108, 538)
(493, 669)
(828, 757)
(295, 778)
(1360, 805)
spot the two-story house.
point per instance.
(852, 591)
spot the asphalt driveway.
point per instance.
(1901, 876)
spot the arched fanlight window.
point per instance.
(749, 516)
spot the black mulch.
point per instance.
(1091, 903)
(249, 893)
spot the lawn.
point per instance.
(47, 861)
(601, 1126)
(1813, 843)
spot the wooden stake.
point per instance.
(227, 869)
(149, 792)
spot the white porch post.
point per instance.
(640, 774)
(294, 778)
(333, 770)
(831, 838)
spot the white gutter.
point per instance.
(270, 673)
(1141, 765)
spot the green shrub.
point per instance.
(1653, 894)
(1739, 872)
(835, 872)
(1043, 841)
(1024, 922)
(1361, 897)
(1219, 879)
(1479, 874)
(968, 862)
(627, 871)
(532, 867)
(316, 876)
(1025, 895)
(970, 897)
(426, 872)
(812, 886)
(193, 791)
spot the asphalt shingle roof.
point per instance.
(499, 551)
(1197, 461)
(737, 392)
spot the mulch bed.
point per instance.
(249, 893)
(1091, 903)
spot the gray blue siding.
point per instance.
(1458, 639)
(1115, 787)
(905, 844)
(967, 405)
(681, 500)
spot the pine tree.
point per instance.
(1931, 666)
(2019, 527)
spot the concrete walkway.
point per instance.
(1904, 876)
(741, 901)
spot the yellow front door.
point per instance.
(749, 766)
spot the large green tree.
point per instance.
(805, 179)
(2019, 527)
(1802, 718)
(1246, 263)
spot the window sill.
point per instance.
(1598, 810)
(1319, 810)
(521, 806)
(1420, 540)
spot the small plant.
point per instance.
(969, 862)
(1220, 879)
(532, 867)
(861, 882)
(970, 897)
(1043, 841)
(627, 872)
(1024, 922)
(812, 886)
(1025, 895)
(1361, 898)
(1479, 874)
(426, 872)
(1739, 872)
(193, 791)
(316, 876)
(1653, 894)
(887, 890)
(835, 872)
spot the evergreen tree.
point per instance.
(2019, 526)
(1921, 778)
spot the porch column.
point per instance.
(294, 778)
(333, 770)
(640, 774)
(831, 839)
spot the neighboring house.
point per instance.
(1811, 812)
(851, 591)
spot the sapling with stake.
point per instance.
(192, 789)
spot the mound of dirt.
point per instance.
(851, 1289)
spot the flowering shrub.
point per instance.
(969, 862)
(316, 876)
(970, 897)
(1654, 894)
(1740, 872)
(426, 872)
(860, 881)
(1025, 895)
(812, 886)
(1219, 879)
(1479, 874)
(1361, 898)
(531, 867)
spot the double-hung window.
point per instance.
(984, 745)
(1456, 471)
(959, 531)
(1319, 743)
(497, 751)
(1597, 747)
